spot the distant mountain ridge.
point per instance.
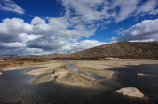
(116, 50)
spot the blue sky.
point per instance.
(41, 27)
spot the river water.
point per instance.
(16, 88)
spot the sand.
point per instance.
(43, 79)
(67, 77)
(74, 78)
(99, 68)
(30, 66)
(0, 71)
(41, 68)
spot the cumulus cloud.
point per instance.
(148, 7)
(78, 46)
(144, 31)
(9, 5)
(101, 10)
(81, 19)
(4, 46)
(47, 38)
(37, 21)
(126, 8)
(119, 31)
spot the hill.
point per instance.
(115, 50)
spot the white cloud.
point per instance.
(143, 40)
(96, 11)
(9, 5)
(11, 45)
(82, 18)
(126, 8)
(148, 7)
(119, 31)
(47, 38)
(60, 23)
(144, 31)
(78, 46)
(38, 21)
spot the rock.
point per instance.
(141, 74)
(130, 91)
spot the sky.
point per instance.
(43, 27)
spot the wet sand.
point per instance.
(70, 77)
(99, 67)
(43, 79)
(74, 78)
(42, 68)
(0, 72)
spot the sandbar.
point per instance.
(99, 67)
(43, 79)
(73, 78)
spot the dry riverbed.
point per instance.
(73, 78)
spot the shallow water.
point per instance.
(16, 87)
(146, 84)
(73, 67)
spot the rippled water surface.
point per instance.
(16, 87)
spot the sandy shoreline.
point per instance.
(74, 78)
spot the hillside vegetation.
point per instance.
(116, 50)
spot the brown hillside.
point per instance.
(119, 50)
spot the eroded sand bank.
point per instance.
(66, 76)
(41, 68)
(99, 67)
(74, 78)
